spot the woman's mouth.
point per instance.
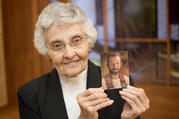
(71, 63)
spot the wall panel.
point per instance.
(23, 62)
(3, 90)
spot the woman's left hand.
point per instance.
(136, 102)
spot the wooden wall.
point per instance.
(23, 62)
(164, 101)
(3, 90)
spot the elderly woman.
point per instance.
(73, 89)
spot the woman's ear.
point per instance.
(89, 48)
(48, 57)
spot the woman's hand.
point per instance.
(92, 100)
(136, 102)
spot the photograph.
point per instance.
(114, 70)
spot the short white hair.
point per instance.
(62, 13)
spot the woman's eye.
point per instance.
(57, 46)
(77, 40)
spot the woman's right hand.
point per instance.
(92, 100)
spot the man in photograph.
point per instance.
(114, 79)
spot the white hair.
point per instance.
(62, 13)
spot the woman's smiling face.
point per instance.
(68, 48)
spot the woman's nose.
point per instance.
(69, 52)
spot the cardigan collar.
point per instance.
(54, 102)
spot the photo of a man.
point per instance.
(114, 78)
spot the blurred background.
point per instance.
(147, 29)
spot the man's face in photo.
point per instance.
(114, 64)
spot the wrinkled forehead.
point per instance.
(63, 32)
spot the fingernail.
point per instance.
(112, 101)
(121, 92)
